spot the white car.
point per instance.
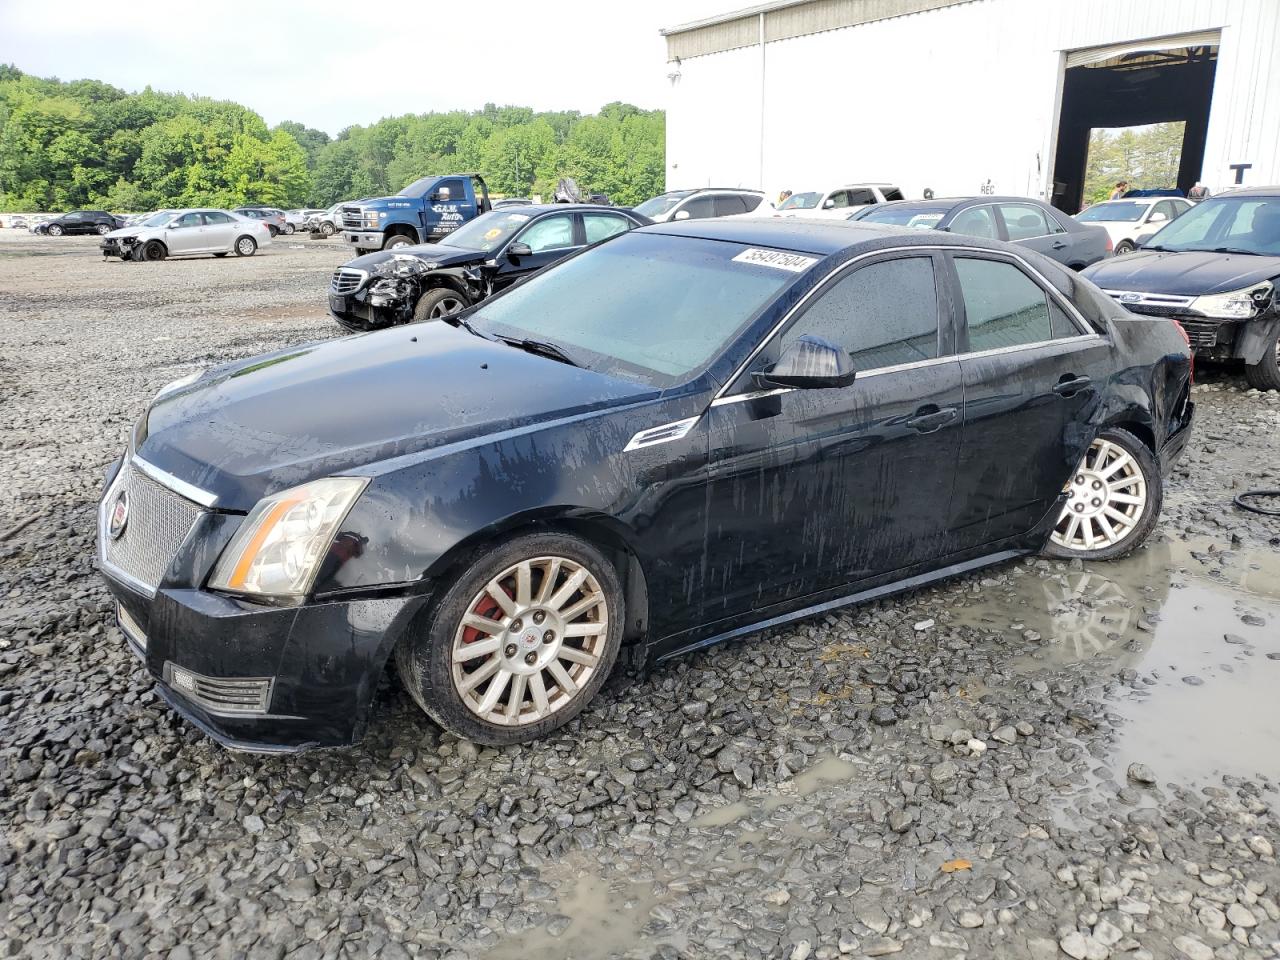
(187, 233)
(839, 202)
(703, 203)
(1125, 220)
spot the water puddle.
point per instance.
(813, 778)
(592, 919)
(1198, 621)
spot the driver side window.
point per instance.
(550, 233)
(188, 220)
(884, 314)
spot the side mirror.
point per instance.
(1158, 218)
(681, 215)
(518, 250)
(828, 204)
(809, 363)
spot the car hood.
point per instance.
(320, 409)
(128, 231)
(431, 253)
(1192, 273)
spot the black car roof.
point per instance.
(821, 237)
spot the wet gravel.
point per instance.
(1014, 764)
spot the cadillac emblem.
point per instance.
(119, 518)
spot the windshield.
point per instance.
(911, 215)
(487, 231)
(1248, 225)
(419, 188)
(801, 201)
(1119, 211)
(646, 307)
(659, 205)
(159, 219)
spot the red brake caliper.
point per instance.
(487, 607)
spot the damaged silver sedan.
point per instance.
(187, 233)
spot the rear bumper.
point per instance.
(317, 665)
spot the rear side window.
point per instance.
(892, 193)
(728, 205)
(1005, 308)
(600, 226)
(884, 314)
(976, 222)
(860, 198)
(213, 216)
(1023, 221)
(750, 201)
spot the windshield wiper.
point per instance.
(1247, 253)
(542, 348)
(466, 325)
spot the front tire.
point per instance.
(1123, 247)
(246, 246)
(1114, 503)
(288, 229)
(520, 642)
(396, 240)
(438, 303)
(154, 250)
(102, 229)
(326, 230)
(1265, 374)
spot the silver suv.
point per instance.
(700, 204)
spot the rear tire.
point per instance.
(533, 655)
(1123, 247)
(1116, 494)
(288, 229)
(246, 246)
(438, 303)
(1265, 374)
(273, 230)
(396, 240)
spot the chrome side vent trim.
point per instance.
(663, 434)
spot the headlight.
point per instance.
(1236, 305)
(400, 266)
(279, 548)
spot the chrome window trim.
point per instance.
(183, 489)
(1086, 332)
(753, 395)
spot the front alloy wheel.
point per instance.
(438, 303)
(520, 643)
(1113, 500)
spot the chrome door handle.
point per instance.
(927, 421)
(1069, 386)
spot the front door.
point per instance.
(184, 235)
(548, 239)
(1032, 372)
(812, 490)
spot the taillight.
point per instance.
(1187, 340)
(1110, 246)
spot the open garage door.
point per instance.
(1131, 85)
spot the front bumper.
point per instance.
(114, 248)
(319, 664)
(354, 312)
(364, 239)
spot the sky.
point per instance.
(333, 63)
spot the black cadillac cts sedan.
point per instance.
(683, 435)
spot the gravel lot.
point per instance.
(1041, 760)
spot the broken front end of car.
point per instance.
(387, 293)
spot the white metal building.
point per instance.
(966, 95)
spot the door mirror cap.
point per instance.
(828, 204)
(518, 250)
(1158, 217)
(809, 363)
(681, 215)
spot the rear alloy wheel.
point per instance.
(54, 230)
(1113, 501)
(520, 643)
(273, 230)
(246, 247)
(1265, 374)
(288, 229)
(1123, 247)
(439, 303)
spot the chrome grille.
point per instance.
(220, 694)
(346, 280)
(352, 218)
(1153, 304)
(158, 522)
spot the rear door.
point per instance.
(219, 230)
(1032, 373)
(979, 221)
(1028, 225)
(602, 226)
(812, 490)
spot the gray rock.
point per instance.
(1141, 773)
(1193, 948)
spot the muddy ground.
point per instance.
(1040, 760)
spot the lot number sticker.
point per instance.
(792, 262)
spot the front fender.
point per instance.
(1257, 337)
